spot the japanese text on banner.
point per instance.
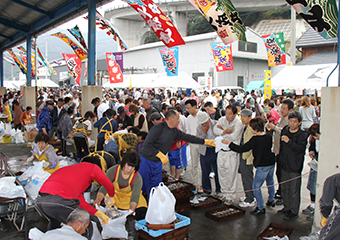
(222, 56)
(170, 60)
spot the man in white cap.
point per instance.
(229, 127)
(208, 156)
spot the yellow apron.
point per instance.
(122, 196)
(108, 133)
(82, 129)
(43, 157)
(102, 162)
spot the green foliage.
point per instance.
(152, 37)
(198, 24)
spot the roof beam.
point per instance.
(29, 6)
(14, 25)
(3, 35)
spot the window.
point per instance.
(247, 47)
(240, 81)
(196, 75)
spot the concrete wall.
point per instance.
(329, 160)
(29, 98)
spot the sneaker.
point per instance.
(309, 210)
(279, 202)
(258, 211)
(212, 175)
(270, 204)
(277, 196)
(242, 199)
(247, 204)
(290, 216)
(283, 211)
(310, 217)
(228, 202)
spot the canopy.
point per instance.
(155, 80)
(40, 83)
(305, 77)
(254, 85)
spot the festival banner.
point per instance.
(280, 40)
(267, 84)
(106, 26)
(85, 72)
(76, 33)
(223, 57)
(170, 60)
(81, 53)
(74, 65)
(43, 61)
(17, 61)
(119, 60)
(23, 56)
(223, 18)
(9, 60)
(320, 15)
(158, 21)
(115, 73)
(275, 55)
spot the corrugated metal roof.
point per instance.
(319, 57)
(21, 17)
(312, 38)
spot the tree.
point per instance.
(152, 37)
(198, 24)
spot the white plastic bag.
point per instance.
(37, 178)
(161, 209)
(96, 234)
(8, 189)
(35, 234)
(2, 129)
(18, 137)
(8, 129)
(115, 227)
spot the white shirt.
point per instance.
(211, 99)
(66, 232)
(137, 95)
(191, 124)
(101, 109)
(182, 123)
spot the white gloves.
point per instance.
(46, 164)
(30, 159)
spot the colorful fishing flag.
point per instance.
(85, 72)
(115, 73)
(9, 60)
(17, 61)
(280, 40)
(274, 53)
(23, 56)
(267, 84)
(320, 15)
(223, 57)
(158, 21)
(106, 25)
(43, 61)
(77, 34)
(170, 60)
(81, 53)
(74, 65)
(223, 18)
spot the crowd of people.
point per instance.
(271, 136)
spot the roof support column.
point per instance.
(29, 61)
(91, 64)
(1, 68)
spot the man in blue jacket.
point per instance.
(44, 121)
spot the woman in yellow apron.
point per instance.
(107, 126)
(128, 189)
(41, 150)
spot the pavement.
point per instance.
(243, 227)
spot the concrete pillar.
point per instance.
(329, 161)
(88, 93)
(29, 98)
(2, 90)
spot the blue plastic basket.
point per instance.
(141, 225)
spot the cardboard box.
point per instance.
(30, 136)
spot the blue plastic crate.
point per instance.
(141, 225)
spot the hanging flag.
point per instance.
(115, 73)
(9, 60)
(17, 61)
(59, 63)
(223, 57)
(119, 60)
(74, 65)
(320, 15)
(223, 18)
(275, 55)
(77, 34)
(267, 84)
(106, 25)
(43, 61)
(158, 21)
(85, 72)
(81, 53)
(280, 40)
(170, 60)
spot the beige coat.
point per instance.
(278, 128)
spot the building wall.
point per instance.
(306, 52)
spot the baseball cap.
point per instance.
(154, 116)
(251, 102)
(237, 104)
(120, 110)
(246, 112)
(202, 117)
(49, 103)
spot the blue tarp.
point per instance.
(254, 84)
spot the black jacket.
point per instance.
(292, 154)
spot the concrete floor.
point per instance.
(202, 228)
